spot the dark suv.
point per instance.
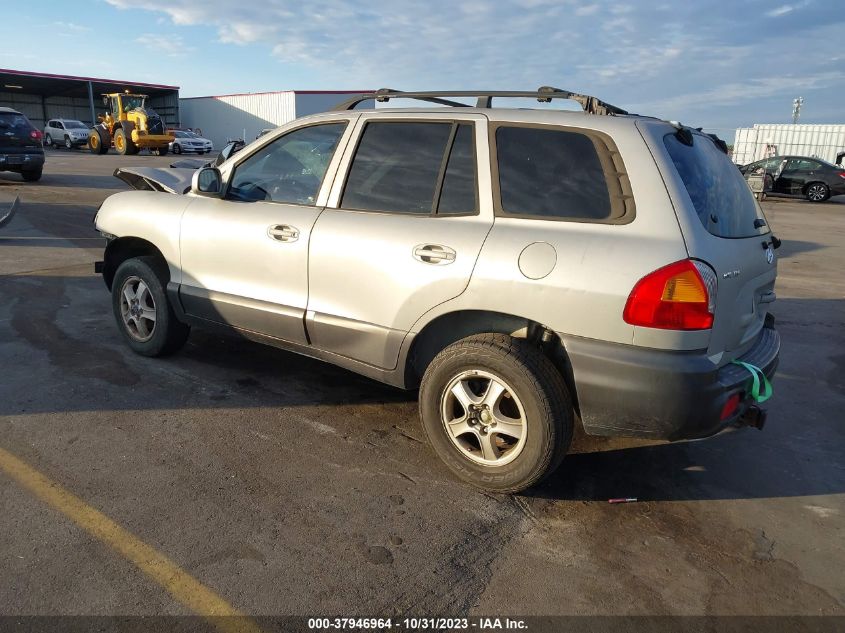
(811, 178)
(20, 145)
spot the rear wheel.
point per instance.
(142, 310)
(98, 141)
(31, 175)
(817, 192)
(496, 411)
(48, 141)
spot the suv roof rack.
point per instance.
(544, 94)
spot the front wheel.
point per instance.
(68, 143)
(818, 192)
(177, 149)
(496, 411)
(142, 310)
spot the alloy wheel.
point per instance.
(483, 418)
(138, 309)
(817, 193)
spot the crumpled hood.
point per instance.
(167, 179)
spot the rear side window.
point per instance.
(721, 197)
(413, 167)
(551, 173)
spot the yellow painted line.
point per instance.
(163, 571)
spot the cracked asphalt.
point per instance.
(290, 487)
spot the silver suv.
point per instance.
(526, 269)
(68, 133)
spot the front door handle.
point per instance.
(283, 232)
(434, 254)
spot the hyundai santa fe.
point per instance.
(526, 269)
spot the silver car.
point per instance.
(186, 142)
(67, 133)
(527, 270)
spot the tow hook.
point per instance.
(754, 416)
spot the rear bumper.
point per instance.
(639, 392)
(21, 161)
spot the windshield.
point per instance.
(722, 199)
(75, 125)
(131, 102)
(181, 134)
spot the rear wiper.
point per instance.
(759, 223)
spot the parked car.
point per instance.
(812, 178)
(68, 133)
(527, 270)
(190, 142)
(20, 145)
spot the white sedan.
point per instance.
(190, 142)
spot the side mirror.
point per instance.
(207, 181)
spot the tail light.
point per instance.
(842, 174)
(35, 134)
(680, 296)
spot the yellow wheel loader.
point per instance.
(130, 124)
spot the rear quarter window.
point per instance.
(720, 196)
(556, 173)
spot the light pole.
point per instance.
(796, 108)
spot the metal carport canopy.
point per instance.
(49, 85)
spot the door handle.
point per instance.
(283, 232)
(434, 254)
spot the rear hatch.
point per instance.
(724, 226)
(17, 134)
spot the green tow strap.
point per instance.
(758, 376)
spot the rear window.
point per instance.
(721, 197)
(15, 121)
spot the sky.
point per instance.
(717, 64)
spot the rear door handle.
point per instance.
(283, 232)
(434, 254)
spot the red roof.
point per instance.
(24, 73)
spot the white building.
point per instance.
(225, 117)
(778, 139)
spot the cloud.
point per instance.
(169, 45)
(70, 27)
(680, 60)
(786, 8)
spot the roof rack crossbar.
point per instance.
(544, 94)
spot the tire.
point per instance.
(817, 192)
(98, 140)
(48, 141)
(160, 336)
(530, 389)
(68, 143)
(162, 151)
(31, 175)
(177, 149)
(122, 142)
